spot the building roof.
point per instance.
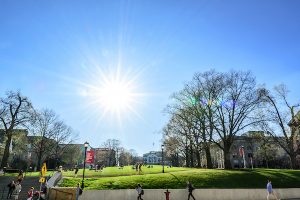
(156, 153)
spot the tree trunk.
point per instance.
(6, 151)
(227, 163)
(198, 158)
(293, 161)
(39, 159)
(192, 155)
(187, 163)
(208, 157)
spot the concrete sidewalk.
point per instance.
(200, 194)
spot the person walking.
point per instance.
(17, 190)
(76, 170)
(20, 176)
(270, 190)
(140, 192)
(78, 191)
(190, 190)
(11, 186)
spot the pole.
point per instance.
(40, 191)
(82, 183)
(163, 171)
(244, 158)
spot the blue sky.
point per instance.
(51, 49)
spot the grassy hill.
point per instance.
(176, 178)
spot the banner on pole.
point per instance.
(90, 157)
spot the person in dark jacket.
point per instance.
(11, 186)
(140, 192)
(190, 189)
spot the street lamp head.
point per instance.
(162, 146)
(86, 144)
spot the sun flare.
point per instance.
(116, 95)
(112, 93)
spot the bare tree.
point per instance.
(204, 90)
(236, 109)
(43, 130)
(63, 135)
(215, 107)
(15, 112)
(283, 121)
(181, 127)
(112, 155)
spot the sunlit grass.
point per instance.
(201, 178)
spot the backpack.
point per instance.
(142, 192)
(80, 191)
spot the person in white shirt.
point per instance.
(17, 190)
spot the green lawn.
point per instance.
(201, 178)
(126, 171)
(111, 172)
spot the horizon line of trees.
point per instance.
(215, 107)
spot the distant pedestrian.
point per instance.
(17, 190)
(76, 171)
(140, 192)
(190, 189)
(20, 176)
(270, 190)
(30, 193)
(11, 186)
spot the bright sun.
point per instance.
(112, 93)
(116, 95)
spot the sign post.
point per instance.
(42, 179)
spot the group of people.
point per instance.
(14, 187)
(191, 188)
(138, 167)
(140, 191)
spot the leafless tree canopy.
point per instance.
(15, 112)
(213, 108)
(282, 120)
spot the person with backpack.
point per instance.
(11, 186)
(140, 192)
(190, 189)
(78, 191)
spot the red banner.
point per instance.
(90, 157)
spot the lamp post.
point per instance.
(162, 155)
(86, 144)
